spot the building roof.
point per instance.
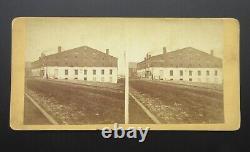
(187, 58)
(83, 56)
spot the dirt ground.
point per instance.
(75, 104)
(137, 115)
(32, 115)
(71, 103)
(178, 103)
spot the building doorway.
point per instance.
(56, 74)
(161, 75)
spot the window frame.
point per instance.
(76, 71)
(216, 72)
(190, 73)
(171, 72)
(207, 72)
(85, 71)
(181, 72)
(66, 72)
(199, 72)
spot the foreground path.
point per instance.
(178, 103)
(32, 115)
(77, 104)
(137, 115)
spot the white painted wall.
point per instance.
(59, 73)
(164, 73)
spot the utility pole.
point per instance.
(126, 89)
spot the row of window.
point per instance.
(199, 80)
(191, 72)
(94, 79)
(86, 72)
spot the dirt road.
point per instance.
(69, 103)
(32, 115)
(178, 103)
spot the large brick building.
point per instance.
(187, 64)
(83, 63)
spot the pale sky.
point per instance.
(136, 36)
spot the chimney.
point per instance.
(164, 50)
(59, 49)
(212, 52)
(107, 51)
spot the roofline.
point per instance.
(76, 48)
(179, 50)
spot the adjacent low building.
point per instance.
(187, 64)
(28, 72)
(82, 63)
(132, 69)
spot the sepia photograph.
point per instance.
(161, 73)
(181, 86)
(85, 75)
(178, 77)
(72, 76)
